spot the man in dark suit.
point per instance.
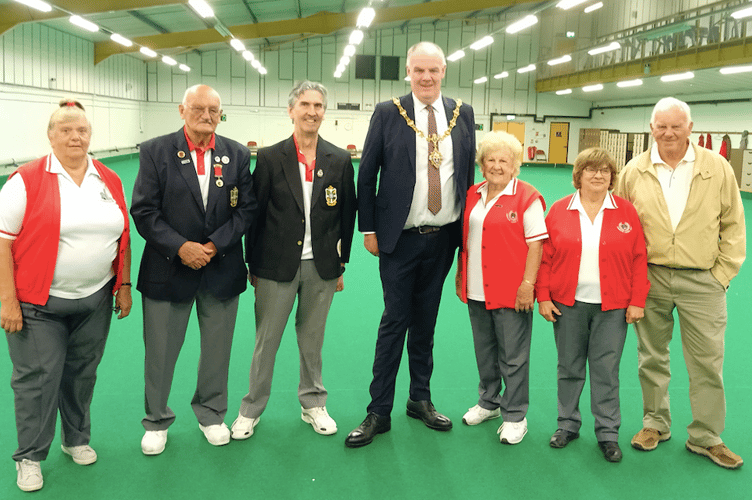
(298, 247)
(421, 149)
(192, 202)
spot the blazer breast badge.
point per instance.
(331, 196)
(234, 197)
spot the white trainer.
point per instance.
(82, 455)
(319, 419)
(217, 434)
(153, 442)
(29, 475)
(242, 427)
(477, 415)
(512, 432)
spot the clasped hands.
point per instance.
(196, 255)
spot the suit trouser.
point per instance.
(274, 301)
(501, 338)
(55, 358)
(165, 324)
(412, 277)
(700, 301)
(586, 335)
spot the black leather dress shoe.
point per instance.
(562, 437)
(424, 410)
(365, 432)
(611, 450)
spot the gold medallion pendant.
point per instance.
(435, 157)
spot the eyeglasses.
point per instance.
(605, 171)
(213, 112)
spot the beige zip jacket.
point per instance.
(711, 233)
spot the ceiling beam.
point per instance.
(321, 23)
(738, 51)
(13, 13)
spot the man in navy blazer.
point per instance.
(297, 248)
(421, 151)
(192, 202)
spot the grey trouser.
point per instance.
(165, 325)
(274, 301)
(586, 335)
(55, 358)
(502, 350)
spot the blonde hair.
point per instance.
(495, 141)
(68, 110)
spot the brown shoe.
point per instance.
(720, 454)
(648, 438)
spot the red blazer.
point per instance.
(504, 247)
(623, 257)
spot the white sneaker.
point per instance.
(153, 442)
(217, 434)
(82, 455)
(242, 427)
(477, 415)
(29, 475)
(512, 432)
(320, 420)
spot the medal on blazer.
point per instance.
(435, 157)
(234, 197)
(331, 196)
(218, 174)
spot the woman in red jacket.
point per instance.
(502, 232)
(64, 252)
(592, 282)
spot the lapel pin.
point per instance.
(319, 173)
(181, 154)
(186, 161)
(225, 160)
(216, 158)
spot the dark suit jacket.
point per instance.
(274, 243)
(168, 211)
(389, 155)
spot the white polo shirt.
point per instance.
(675, 182)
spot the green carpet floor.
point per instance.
(286, 459)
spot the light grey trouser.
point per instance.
(55, 358)
(274, 301)
(165, 325)
(502, 350)
(586, 335)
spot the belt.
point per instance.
(424, 229)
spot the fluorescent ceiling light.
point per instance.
(350, 50)
(739, 14)
(523, 23)
(169, 60)
(526, 69)
(606, 48)
(121, 40)
(629, 83)
(237, 44)
(564, 92)
(732, 70)
(256, 64)
(677, 76)
(593, 7)
(483, 42)
(407, 78)
(202, 8)
(184, 68)
(568, 4)
(482, 79)
(248, 55)
(83, 23)
(592, 88)
(337, 74)
(37, 4)
(501, 75)
(147, 52)
(262, 70)
(511, 117)
(365, 18)
(345, 60)
(560, 60)
(456, 55)
(356, 37)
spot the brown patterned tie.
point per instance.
(434, 180)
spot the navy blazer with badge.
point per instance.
(168, 210)
(389, 154)
(274, 243)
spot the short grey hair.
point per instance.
(194, 89)
(496, 141)
(303, 87)
(425, 48)
(670, 103)
(68, 110)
